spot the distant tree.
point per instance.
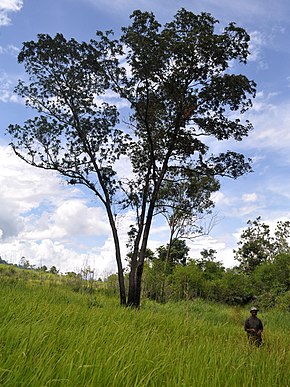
(53, 270)
(72, 274)
(186, 282)
(211, 268)
(185, 201)
(231, 287)
(176, 254)
(24, 263)
(181, 89)
(207, 255)
(42, 268)
(282, 237)
(3, 262)
(271, 279)
(258, 245)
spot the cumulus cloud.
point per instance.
(24, 187)
(50, 223)
(70, 218)
(223, 254)
(50, 253)
(6, 7)
(42, 218)
(222, 199)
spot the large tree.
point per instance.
(180, 84)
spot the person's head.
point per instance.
(254, 311)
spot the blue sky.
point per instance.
(50, 223)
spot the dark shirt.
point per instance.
(253, 323)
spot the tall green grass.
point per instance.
(51, 336)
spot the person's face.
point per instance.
(254, 313)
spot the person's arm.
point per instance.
(260, 330)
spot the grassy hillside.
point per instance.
(52, 336)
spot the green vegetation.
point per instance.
(262, 277)
(51, 335)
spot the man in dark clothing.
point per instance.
(254, 327)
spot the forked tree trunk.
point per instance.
(134, 293)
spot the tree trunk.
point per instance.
(132, 283)
(136, 290)
(120, 276)
(138, 284)
(134, 295)
(168, 252)
(118, 257)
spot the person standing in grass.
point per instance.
(254, 327)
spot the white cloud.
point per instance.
(7, 84)
(6, 7)
(224, 253)
(26, 187)
(112, 98)
(51, 223)
(249, 209)
(69, 219)
(257, 42)
(10, 49)
(51, 253)
(253, 197)
(271, 126)
(221, 199)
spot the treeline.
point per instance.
(84, 282)
(261, 276)
(268, 285)
(25, 264)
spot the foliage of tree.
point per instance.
(42, 268)
(3, 261)
(271, 280)
(267, 283)
(162, 264)
(175, 254)
(185, 283)
(185, 202)
(257, 245)
(24, 262)
(53, 270)
(72, 133)
(181, 89)
(211, 268)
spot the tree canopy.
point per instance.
(179, 82)
(257, 245)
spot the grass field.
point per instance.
(52, 336)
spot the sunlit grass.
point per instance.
(51, 336)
